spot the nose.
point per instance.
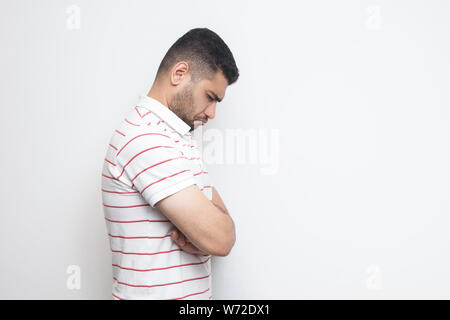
(210, 111)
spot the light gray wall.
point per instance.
(347, 105)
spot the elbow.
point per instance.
(227, 244)
(223, 251)
(223, 238)
(220, 247)
(226, 251)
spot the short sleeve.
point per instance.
(155, 166)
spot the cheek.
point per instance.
(198, 112)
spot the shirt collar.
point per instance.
(164, 113)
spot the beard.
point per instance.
(182, 104)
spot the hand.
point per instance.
(180, 239)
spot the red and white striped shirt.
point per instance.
(151, 155)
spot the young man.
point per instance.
(164, 218)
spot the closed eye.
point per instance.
(209, 97)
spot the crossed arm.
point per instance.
(181, 239)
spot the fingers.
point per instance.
(175, 235)
(179, 238)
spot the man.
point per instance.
(164, 218)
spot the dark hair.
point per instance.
(205, 52)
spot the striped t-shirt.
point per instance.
(151, 155)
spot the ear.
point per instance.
(179, 73)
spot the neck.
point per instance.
(157, 93)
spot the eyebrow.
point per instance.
(215, 96)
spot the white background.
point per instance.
(358, 92)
